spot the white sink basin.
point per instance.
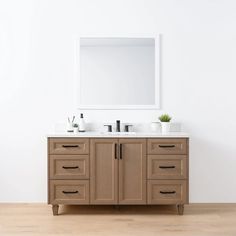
(118, 133)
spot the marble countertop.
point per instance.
(118, 135)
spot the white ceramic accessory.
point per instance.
(165, 127)
(75, 129)
(70, 127)
(155, 127)
(81, 123)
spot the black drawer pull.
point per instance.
(166, 167)
(166, 146)
(115, 150)
(70, 192)
(167, 192)
(70, 167)
(121, 154)
(70, 146)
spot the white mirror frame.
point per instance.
(77, 87)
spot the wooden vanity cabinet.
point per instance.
(117, 171)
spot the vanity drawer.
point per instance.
(68, 146)
(69, 166)
(167, 192)
(69, 191)
(167, 167)
(167, 146)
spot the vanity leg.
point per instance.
(180, 208)
(55, 209)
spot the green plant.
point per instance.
(165, 118)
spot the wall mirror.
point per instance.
(117, 73)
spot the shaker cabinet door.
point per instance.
(104, 171)
(132, 171)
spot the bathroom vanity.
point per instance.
(118, 169)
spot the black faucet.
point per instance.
(118, 126)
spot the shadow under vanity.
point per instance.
(100, 169)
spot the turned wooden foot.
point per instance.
(180, 208)
(55, 209)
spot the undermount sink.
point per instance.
(118, 133)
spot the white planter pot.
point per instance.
(76, 130)
(165, 127)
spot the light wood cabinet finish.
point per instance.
(69, 192)
(167, 191)
(132, 171)
(69, 167)
(104, 171)
(167, 167)
(68, 146)
(167, 146)
(118, 171)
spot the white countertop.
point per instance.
(118, 135)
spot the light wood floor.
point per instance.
(198, 220)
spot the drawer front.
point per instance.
(69, 166)
(69, 191)
(167, 146)
(167, 167)
(167, 192)
(68, 146)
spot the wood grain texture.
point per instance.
(69, 192)
(167, 146)
(132, 171)
(69, 166)
(68, 146)
(104, 172)
(113, 180)
(167, 191)
(167, 167)
(198, 220)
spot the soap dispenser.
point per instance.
(81, 123)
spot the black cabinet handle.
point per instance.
(70, 192)
(166, 167)
(70, 146)
(121, 152)
(166, 146)
(115, 150)
(167, 192)
(70, 167)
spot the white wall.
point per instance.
(198, 83)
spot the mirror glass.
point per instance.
(117, 73)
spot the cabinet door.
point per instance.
(104, 171)
(132, 171)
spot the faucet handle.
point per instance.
(127, 127)
(109, 128)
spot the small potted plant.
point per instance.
(165, 123)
